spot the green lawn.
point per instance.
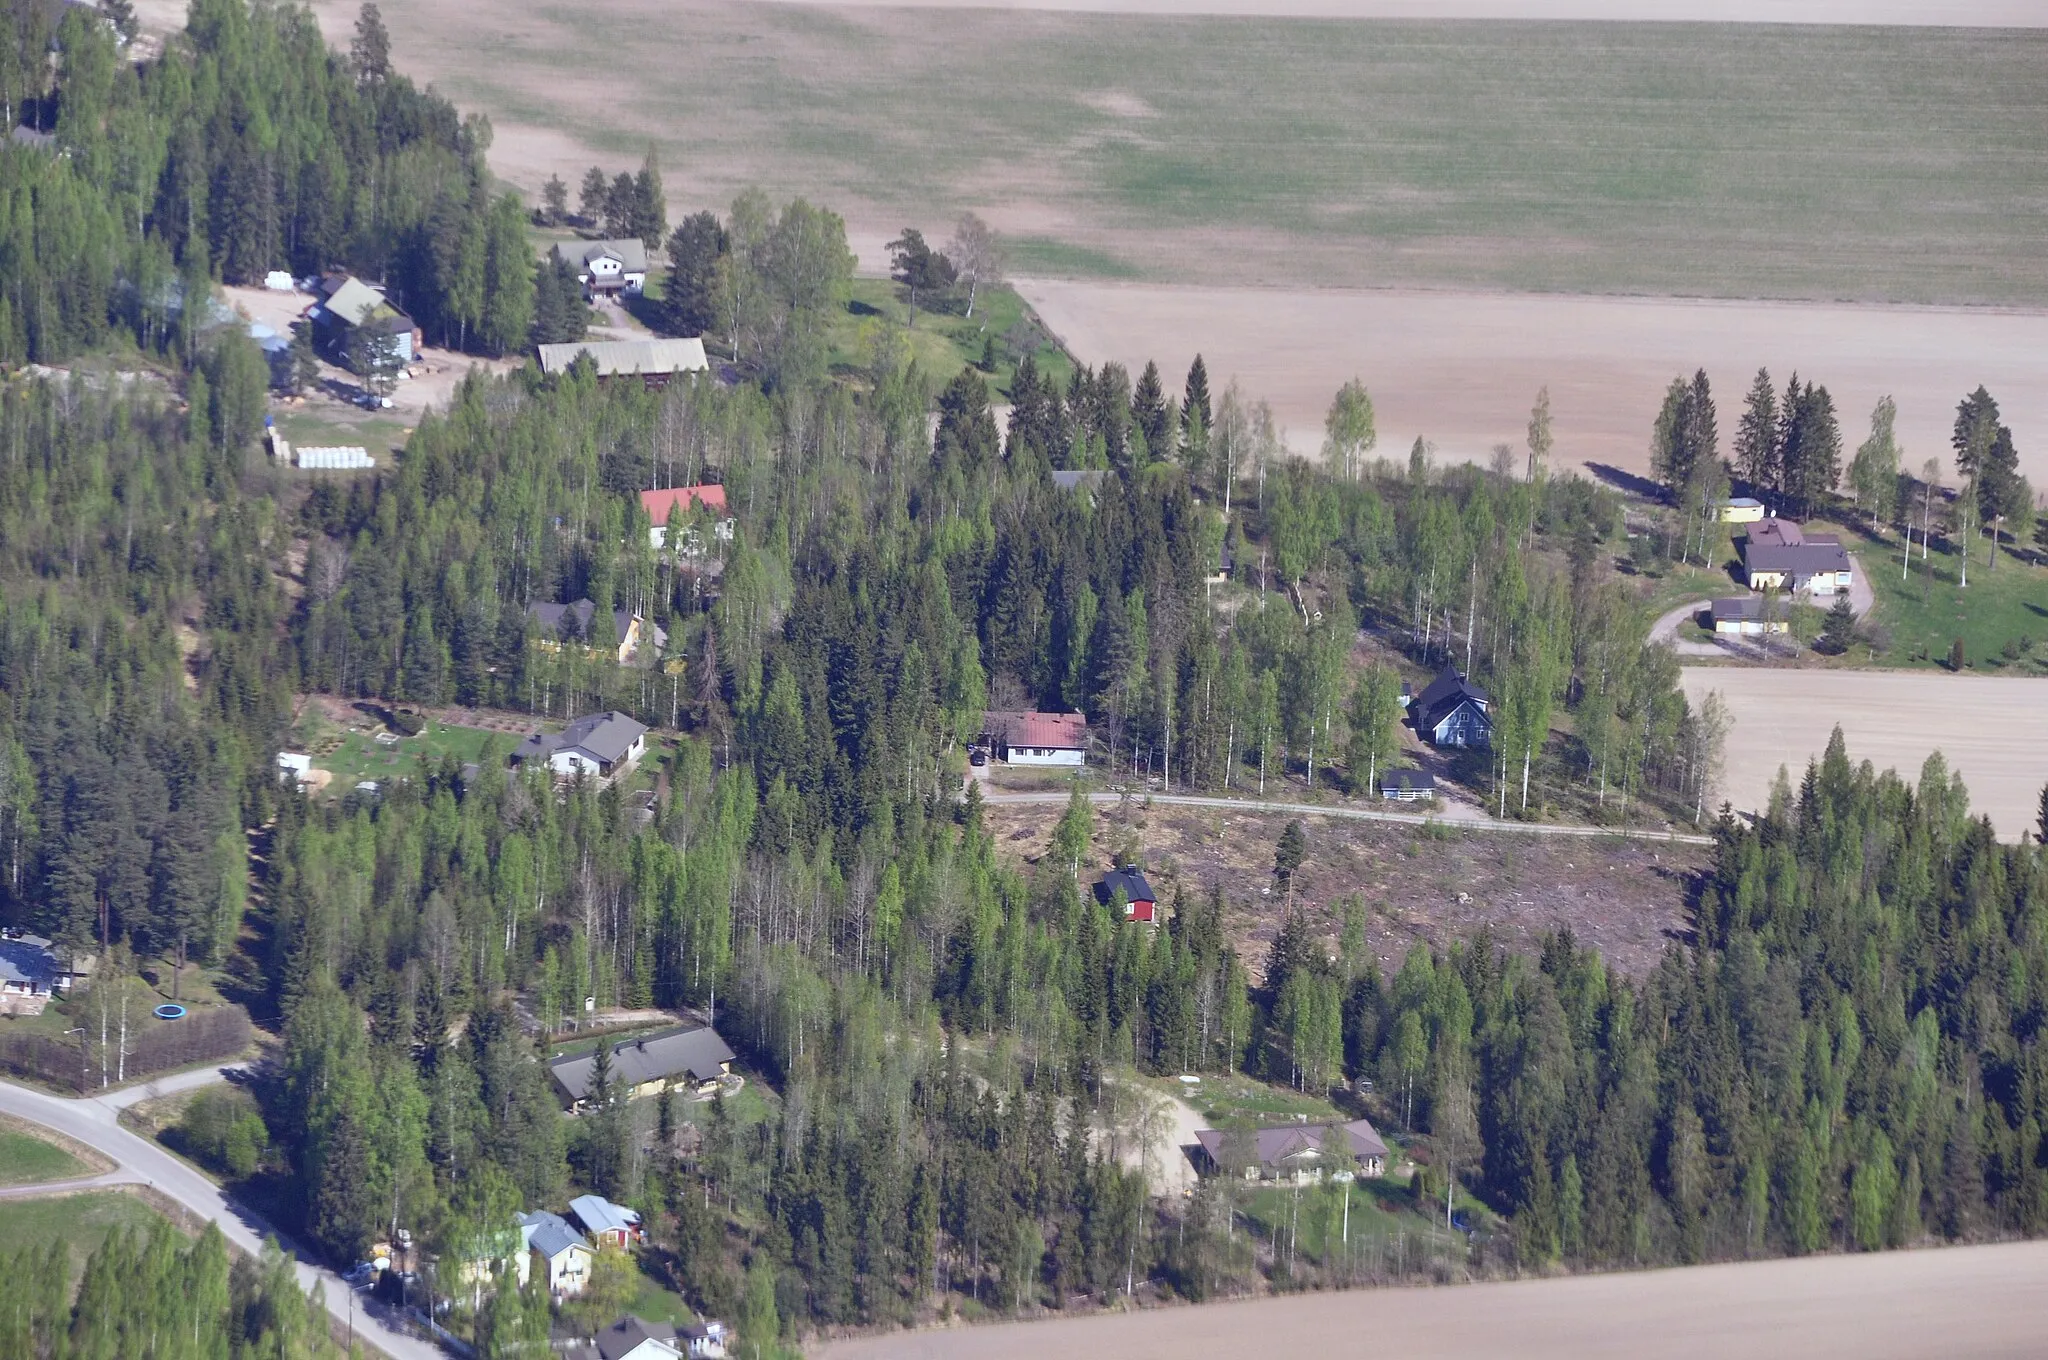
(28, 1160)
(656, 1302)
(2002, 618)
(1220, 1099)
(359, 756)
(1600, 157)
(325, 427)
(83, 1221)
(944, 342)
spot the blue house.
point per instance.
(1453, 711)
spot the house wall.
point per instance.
(1139, 911)
(1465, 727)
(1741, 514)
(1045, 755)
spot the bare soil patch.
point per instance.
(1462, 369)
(1899, 1305)
(1966, 13)
(1629, 898)
(1893, 719)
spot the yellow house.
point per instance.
(559, 622)
(1741, 510)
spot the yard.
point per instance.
(81, 1221)
(2001, 619)
(365, 749)
(27, 1158)
(944, 342)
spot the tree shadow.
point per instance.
(1630, 483)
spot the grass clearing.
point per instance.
(2002, 618)
(943, 343)
(28, 1160)
(352, 757)
(81, 1221)
(1698, 159)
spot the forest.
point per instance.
(1845, 1055)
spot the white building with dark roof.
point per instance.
(601, 745)
(694, 1057)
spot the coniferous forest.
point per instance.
(1844, 1054)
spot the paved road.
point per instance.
(1365, 815)
(94, 1122)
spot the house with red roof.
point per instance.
(1037, 738)
(658, 504)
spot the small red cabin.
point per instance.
(1139, 902)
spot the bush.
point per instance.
(407, 724)
(223, 1130)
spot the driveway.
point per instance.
(94, 1122)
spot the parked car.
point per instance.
(977, 756)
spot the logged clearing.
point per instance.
(1730, 160)
(1628, 898)
(1994, 730)
(1902, 1305)
(1462, 369)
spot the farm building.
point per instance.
(1140, 903)
(1452, 711)
(652, 361)
(692, 1056)
(1059, 739)
(1779, 555)
(347, 304)
(1744, 616)
(1407, 786)
(601, 744)
(1292, 1152)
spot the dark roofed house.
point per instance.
(29, 974)
(635, 1338)
(602, 744)
(1453, 711)
(350, 304)
(640, 1067)
(1140, 904)
(1778, 554)
(560, 623)
(1407, 786)
(1294, 1151)
(1744, 616)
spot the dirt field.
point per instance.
(1963, 13)
(1976, 1302)
(1628, 898)
(1462, 369)
(1893, 720)
(1730, 160)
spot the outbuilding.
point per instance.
(1140, 903)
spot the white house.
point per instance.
(1059, 739)
(557, 1250)
(293, 767)
(611, 267)
(602, 744)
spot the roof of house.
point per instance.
(598, 1214)
(1278, 1145)
(26, 960)
(1740, 608)
(1407, 779)
(1445, 694)
(658, 503)
(697, 1052)
(630, 253)
(550, 1234)
(1130, 881)
(618, 357)
(355, 302)
(1068, 481)
(605, 737)
(1783, 532)
(1811, 556)
(550, 617)
(631, 1331)
(1056, 731)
